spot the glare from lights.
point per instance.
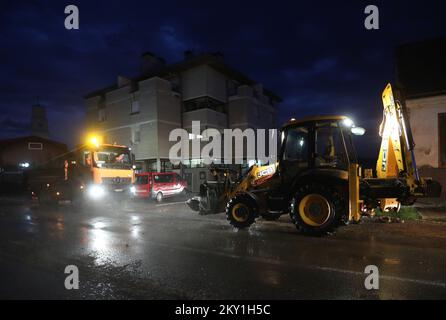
(133, 189)
(358, 131)
(94, 140)
(99, 225)
(348, 122)
(96, 191)
(135, 232)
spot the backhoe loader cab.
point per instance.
(317, 178)
(317, 146)
(313, 173)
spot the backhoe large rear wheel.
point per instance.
(241, 211)
(317, 209)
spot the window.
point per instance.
(163, 178)
(35, 146)
(204, 103)
(166, 165)
(112, 157)
(142, 179)
(101, 115)
(152, 165)
(194, 163)
(86, 159)
(296, 145)
(330, 151)
(134, 107)
(136, 135)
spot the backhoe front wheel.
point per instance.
(241, 211)
(317, 209)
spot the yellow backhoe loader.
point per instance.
(317, 178)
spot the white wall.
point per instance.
(203, 81)
(423, 114)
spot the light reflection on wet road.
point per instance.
(165, 251)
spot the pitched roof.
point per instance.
(8, 142)
(212, 59)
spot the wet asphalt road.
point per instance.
(150, 251)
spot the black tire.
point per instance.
(317, 210)
(241, 211)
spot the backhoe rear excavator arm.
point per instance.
(396, 156)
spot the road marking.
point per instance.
(168, 204)
(434, 283)
(393, 278)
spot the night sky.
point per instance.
(316, 55)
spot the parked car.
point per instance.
(158, 185)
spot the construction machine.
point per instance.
(317, 179)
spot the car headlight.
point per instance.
(96, 191)
(133, 189)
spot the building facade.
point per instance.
(421, 69)
(142, 111)
(19, 155)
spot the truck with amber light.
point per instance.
(318, 180)
(93, 172)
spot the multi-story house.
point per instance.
(142, 111)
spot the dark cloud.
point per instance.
(315, 54)
(13, 127)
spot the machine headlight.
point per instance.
(348, 122)
(133, 189)
(96, 191)
(358, 131)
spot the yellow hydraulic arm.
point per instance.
(396, 156)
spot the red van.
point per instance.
(157, 185)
